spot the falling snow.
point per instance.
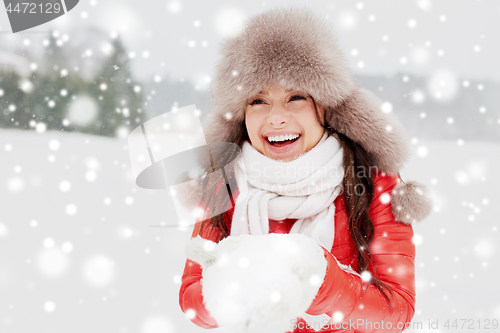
(74, 228)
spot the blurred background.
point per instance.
(80, 249)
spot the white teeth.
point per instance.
(282, 137)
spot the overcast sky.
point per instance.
(181, 38)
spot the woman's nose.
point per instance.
(278, 116)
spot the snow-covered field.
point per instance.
(78, 253)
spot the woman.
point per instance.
(284, 94)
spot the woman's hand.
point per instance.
(259, 283)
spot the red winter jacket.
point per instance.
(362, 306)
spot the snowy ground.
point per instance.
(77, 253)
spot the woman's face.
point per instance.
(282, 125)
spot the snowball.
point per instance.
(264, 280)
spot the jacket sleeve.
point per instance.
(190, 294)
(393, 261)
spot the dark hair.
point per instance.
(357, 206)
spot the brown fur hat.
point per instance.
(294, 48)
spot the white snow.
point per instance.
(140, 285)
(3, 230)
(443, 85)
(49, 306)
(99, 271)
(259, 283)
(82, 110)
(229, 21)
(52, 262)
(157, 324)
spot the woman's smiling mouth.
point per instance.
(282, 140)
(281, 143)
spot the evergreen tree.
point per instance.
(11, 101)
(120, 103)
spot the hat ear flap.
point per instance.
(361, 118)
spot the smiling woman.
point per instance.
(319, 165)
(283, 125)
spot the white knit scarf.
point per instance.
(303, 189)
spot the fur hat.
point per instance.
(294, 48)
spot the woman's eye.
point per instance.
(256, 101)
(297, 97)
